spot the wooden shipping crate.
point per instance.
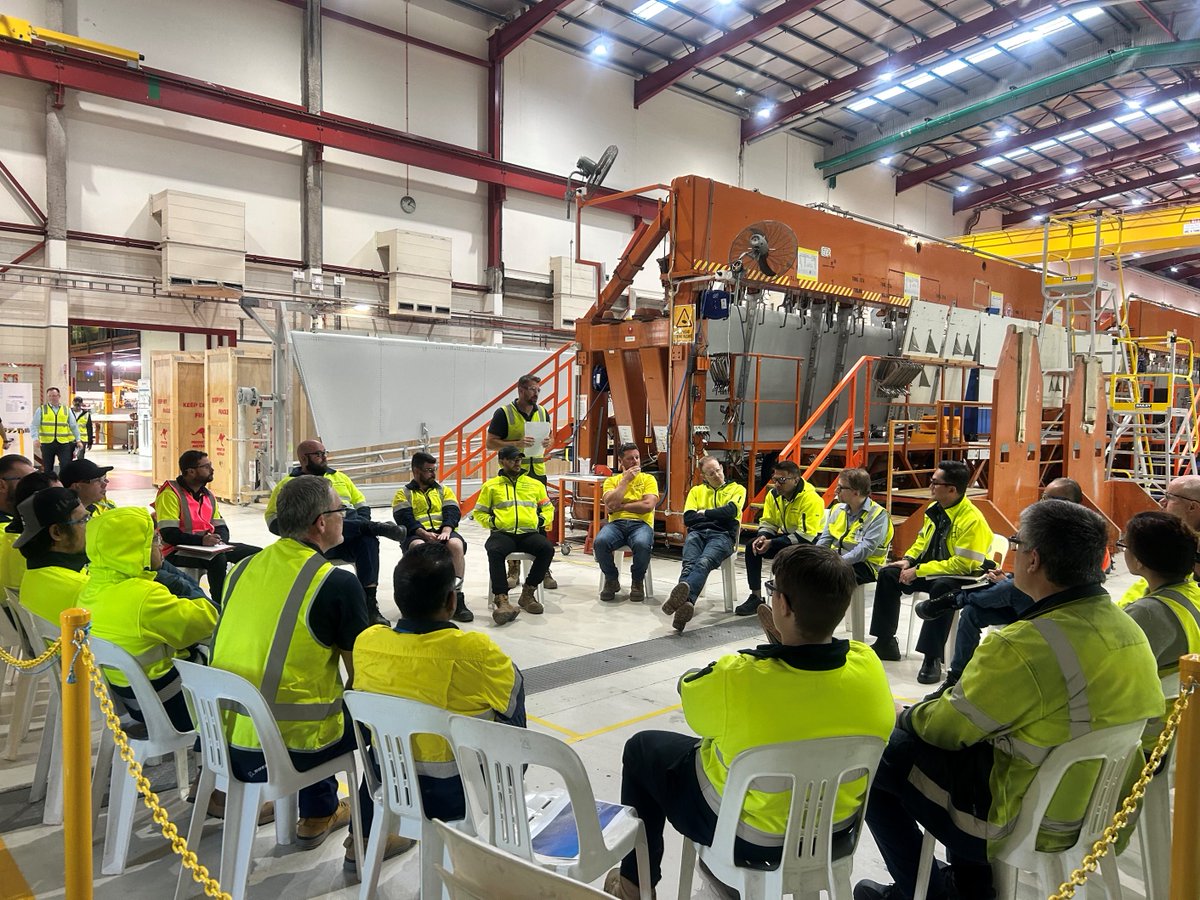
(230, 441)
(177, 398)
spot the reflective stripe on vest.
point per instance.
(845, 531)
(54, 427)
(516, 431)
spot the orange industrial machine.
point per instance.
(808, 362)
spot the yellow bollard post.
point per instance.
(1185, 828)
(76, 761)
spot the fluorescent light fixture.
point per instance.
(649, 9)
(890, 93)
(885, 161)
(917, 80)
(862, 104)
(1070, 170)
(949, 68)
(983, 55)
(1129, 117)
(1003, 133)
(963, 188)
(991, 161)
(764, 112)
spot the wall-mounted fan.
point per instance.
(591, 173)
(766, 247)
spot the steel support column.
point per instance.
(312, 184)
(58, 343)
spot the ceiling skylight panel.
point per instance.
(1052, 26)
(955, 65)
(1163, 107)
(1129, 117)
(859, 105)
(649, 10)
(917, 80)
(1018, 40)
(983, 55)
(992, 161)
(1044, 144)
(1103, 126)
(1082, 15)
(891, 92)
(1070, 137)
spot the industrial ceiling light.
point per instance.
(1039, 218)
(764, 112)
(885, 161)
(601, 49)
(1174, 268)
(741, 92)
(1070, 170)
(1003, 133)
(362, 307)
(963, 188)
(1193, 147)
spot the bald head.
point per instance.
(1064, 489)
(311, 456)
(1182, 500)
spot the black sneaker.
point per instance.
(749, 607)
(873, 890)
(461, 613)
(887, 649)
(936, 607)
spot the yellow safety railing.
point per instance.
(1183, 832)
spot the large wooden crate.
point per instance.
(232, 441)
(177, 394)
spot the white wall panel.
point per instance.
(22, 145)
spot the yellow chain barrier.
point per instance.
(178, 844)
(18, 663)
(1091, 862)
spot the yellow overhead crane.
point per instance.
(1073, 236)
(15, 29)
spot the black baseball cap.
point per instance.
(52, 506)
(508, 451)
(81, 470)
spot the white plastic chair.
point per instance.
(498, 784)
(47, 772)
(15, 636)
(1017, 852)
(728, 575)
(814, 770)
(858, 613)
(526, 561)
(618, 560)
(998, 552)
(162, 739)
(481, 872)
(213, 692)
(1153, 828)
(392, 722)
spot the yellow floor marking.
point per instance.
(12, 883)
(607, 728)
(545, 724)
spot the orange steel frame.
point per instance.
(859, 263)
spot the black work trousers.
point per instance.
(501, 543)
(58, 452)
(885, 614)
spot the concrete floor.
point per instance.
(596, 715)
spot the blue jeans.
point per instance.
(703, 551)
(632, 533)
(1000, 604)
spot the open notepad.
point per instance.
(200, 551)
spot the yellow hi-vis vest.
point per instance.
(516, 431)
(426, 506)
(54, 428)
(264, 636)
(846, 537)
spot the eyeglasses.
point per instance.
(1179, 497)
(934, 481)
(87, 517)
(318, 453)
(770, 586)
(1121, 545)
(103, 479)
(340, 511)
(1015, 541)
(779, 479)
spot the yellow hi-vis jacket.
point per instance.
(342, 486)
(783, 693)
(264, 636)
(463, 672)
(802, 515)
(10, 577)
(953, 540)
(54, 426)
(517, 506)
(846, 533)
(128, 606)
(516, 431)
(429, 509)
(47, 590)
(1073, 664)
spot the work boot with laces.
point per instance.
(514, 572)
(637, 592)
(549, 583)
(608, 593)
(529, 601)
(503, 612)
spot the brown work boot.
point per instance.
(529, 601)
(617, 885)
(767, 620)
(311, 832)
(503, 612)
(683, 615)
(394, 847)
(675, 599)
(608, 593)
(514, 572)
(549, 583)
(637, 592)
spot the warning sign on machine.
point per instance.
(683, 324)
